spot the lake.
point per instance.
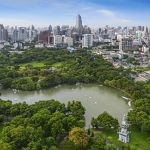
(95, 98)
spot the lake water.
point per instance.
(95, 98)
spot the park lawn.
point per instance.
(58, 64)
(138, 140)
(34, 64)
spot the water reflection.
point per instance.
(95, 98)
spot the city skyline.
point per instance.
(94, 13)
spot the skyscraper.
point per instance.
(56, 30)
(22, 34)
(79, 26)
(15, 35)
(50, 28)
(3, 33)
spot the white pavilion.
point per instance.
(124, 133)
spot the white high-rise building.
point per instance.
(87, 40)
(68, 41)
(57, 39)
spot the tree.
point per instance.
(76, 109)
(1, 118)
(79, 137)
(5, 107)
(5, 146)
(6, 82)
(94, 123)
(97, 142)
(18, 137)
(18, 109)
(41, 118)
(67, 145)
(56, 124)
(105, 120)
(110, 147)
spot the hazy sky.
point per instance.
(94, 13)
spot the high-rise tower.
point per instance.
(79, 26)
(3, 33)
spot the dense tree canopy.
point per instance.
(105, 120)
(37, 126)
(44, 68)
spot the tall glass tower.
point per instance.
(79, 26)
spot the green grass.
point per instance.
(58, 65)
(34, 64)
(138, 140)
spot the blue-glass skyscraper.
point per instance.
(79, 26)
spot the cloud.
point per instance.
(107, 12)
(113, 16)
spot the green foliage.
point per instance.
(1, 119)
(97, 142)
(105, 120)
(79, 137)
(51, 67)
(76, 109)
(5, 146)
(39, 126)
(5, 107)
(67, 145)
(18, 137)
(45, 68)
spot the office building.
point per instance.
(57, 39)
(50, 28)
(22, 34)
(43, 37)
(126, 44)
(15, 35)
(86, 30)
(3, 34)
(68, 41)
(79, 26)
(87, 40)
(56, 30)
